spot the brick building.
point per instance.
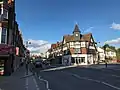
(10, 38)
(74, 49)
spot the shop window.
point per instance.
(83, 59)
(72, 60)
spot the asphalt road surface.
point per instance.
(79, 78)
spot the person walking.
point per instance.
(106, 63)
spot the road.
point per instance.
(80, 78)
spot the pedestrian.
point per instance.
(106, 64)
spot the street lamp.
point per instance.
(105, 54)
(98, 53)
(27, 56)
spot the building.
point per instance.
(109, 54)
(75, 49)
(9, 45)
(101, 54)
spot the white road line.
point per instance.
(89, 79)
(107, 84)
(116, 76)
(26, 84)
(47, 83)
(57, 68)
(35, 83)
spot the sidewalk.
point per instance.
(102, 66)
(16, 82)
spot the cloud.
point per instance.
(89, 29)
(115, 26)
(114, 41)
(38, 46)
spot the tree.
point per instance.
(118, 53)
(105, 46)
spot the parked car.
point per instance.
(38, 63)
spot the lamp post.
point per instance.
(98, 56)
(105, 55)
(27, 56)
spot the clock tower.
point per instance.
(76, 33)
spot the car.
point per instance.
(38, 63)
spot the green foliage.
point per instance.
(118, 53)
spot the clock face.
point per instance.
(76, 34)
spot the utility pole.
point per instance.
(27, 61)
(98, 53)
(105, 55)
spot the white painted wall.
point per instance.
(91, 47)
(64, 48)
(82, 44)
(47, 54)
(110, 54)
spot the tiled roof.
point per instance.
(69, 38)
(76, 29)
(85, 37)
(53, 46)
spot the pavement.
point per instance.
(19, 81)
(80, 78)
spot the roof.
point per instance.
(100, 49)
(68, 38)
(53, 46)
(76, 29)
(85, 37)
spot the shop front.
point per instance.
(6, 59)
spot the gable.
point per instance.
(64, 41)
(93, 44)
(91, 40)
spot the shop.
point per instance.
(6, 59)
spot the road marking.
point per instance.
(57, 68)
(116, 76)
(26, 86)
(89, 79)
(35, 83)
(110, 85)
(47, 83)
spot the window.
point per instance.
(71, 44)
(83, 59)
(4, 35)
(5, 13)
(82, 44)
(77, 50)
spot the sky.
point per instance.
(44, 21)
